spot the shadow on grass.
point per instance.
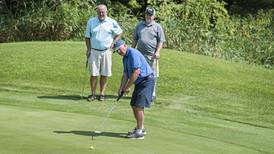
(77, 97)
(92, 134)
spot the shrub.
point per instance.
(47, 20)
(197, 26)
(204, 27)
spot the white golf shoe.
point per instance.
(136, 135)
(134, 130)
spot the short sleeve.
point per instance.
(135, 61)
(160, 33)
(88, 28)
(116, 28)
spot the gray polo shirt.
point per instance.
(147, 37)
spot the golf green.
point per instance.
(204, 105)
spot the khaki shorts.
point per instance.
(154, 64)
(100, 63)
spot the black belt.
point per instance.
(100, 49)
(149, 76)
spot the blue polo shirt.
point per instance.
(133, 60)
(101, 33)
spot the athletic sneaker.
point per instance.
(136, 135)
(101, 98)
(91, 98)
(134, 130)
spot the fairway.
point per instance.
(205, 105)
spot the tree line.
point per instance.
(239, 30)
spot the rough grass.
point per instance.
(204, 105)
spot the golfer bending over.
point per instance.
(136, 71)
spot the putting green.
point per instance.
(204, 105)
(30, 130)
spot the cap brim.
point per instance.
(117, 48)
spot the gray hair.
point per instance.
(102, 6)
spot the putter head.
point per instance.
(120, 96)
(97, 132)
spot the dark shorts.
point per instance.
(142, 94)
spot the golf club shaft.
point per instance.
(120, 96)
(108, 114)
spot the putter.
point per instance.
(105, 119)
(108, 114)
(120, 96)
(110, 111)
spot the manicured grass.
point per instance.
(204, 105)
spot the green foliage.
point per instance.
(190, 26)
(204, 27)
(196, 26)
(250, 39)
(124, 16)
(47, 20)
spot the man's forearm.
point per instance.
(123, 81)
(159, 47)
(117, 37)
(88, 44)
(133, 78)
(134, 43)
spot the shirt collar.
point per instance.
(127, 52)
(106, 18)
(150, 24)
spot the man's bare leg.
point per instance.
(103, 85)
(139, 117)
(93, 83)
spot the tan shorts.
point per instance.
(100, 63)
(154, 64)
(155, 67)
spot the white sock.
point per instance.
(139, 131)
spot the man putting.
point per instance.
(136, 71)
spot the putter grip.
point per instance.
(121, 95)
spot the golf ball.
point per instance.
(91, 147)
(97, 132)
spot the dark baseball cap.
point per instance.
(150, 11)
(118, 44)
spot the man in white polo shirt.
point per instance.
(101, 33)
